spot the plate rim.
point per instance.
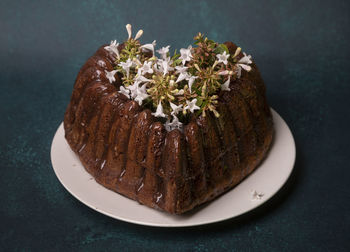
(145, 223)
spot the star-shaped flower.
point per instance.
(175, 124)
(159, 112)
(124, 91)
(191, 106)
(133, 89)
(110, 75)
(149, 47)
(147, 67)
(126, 66)
(113, 48)
(223, 57)
(164, 51)
(257, 195)
(185, 54)
(165, 65)
(225, 86)
(141, 94)
(182, 71)
(175, 109)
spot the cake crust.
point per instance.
(127, 150)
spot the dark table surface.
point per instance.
(302, 50)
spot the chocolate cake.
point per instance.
(129, 149)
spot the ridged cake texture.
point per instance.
(127, 150)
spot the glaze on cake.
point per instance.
(128, 150)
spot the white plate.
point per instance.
(267, 179)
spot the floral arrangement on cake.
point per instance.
(175, 86)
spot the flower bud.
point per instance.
(138, 34)
(128, 29)
(197, 67)
(216, 113)
(238, 50)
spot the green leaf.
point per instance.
(177, 61)
(175, 56)
(204, 104)
(220, 49)
(199, 102)
(225, 48)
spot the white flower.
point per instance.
(225, 72)
(165, 65)
(140, 79)
(190, 80)
(175, 124)
(147, 67)
(225, 86)
(138, 93)
(244, 63)
(163, 51)
(223, 57)
(182, 76)
(176, 109)
(113, 48)
(149, 47)
(126, 66)
(257, 195)
(141, 94)
(124, 91)
(245, 67)
(110, 75)
(133, 89)
(182, 70)
(159, 112)
(128, 29)
(246, 59)
(191, 106)
(185, 54)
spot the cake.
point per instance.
(123, 135)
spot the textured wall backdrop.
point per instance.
(302, 50)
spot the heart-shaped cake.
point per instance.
(169, 131)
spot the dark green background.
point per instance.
(302, 50)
